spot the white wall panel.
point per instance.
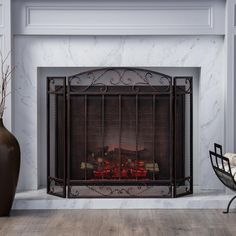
(1, 42)
(119, 17)
(229, 84)
(1, 15)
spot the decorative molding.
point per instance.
(229, 88)
(234, 14)
(1, 42)
(81, 17)
(125, 18)
(1, 15)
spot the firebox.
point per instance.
(119, 132)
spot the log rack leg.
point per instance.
(227, 211)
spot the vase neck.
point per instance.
(1, 122)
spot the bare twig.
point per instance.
(6, 76)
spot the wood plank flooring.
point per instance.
(118, 222)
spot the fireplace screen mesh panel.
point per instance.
(183, 121)
(119, 143)
(119, 132)
(56, 137)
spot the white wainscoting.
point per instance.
(119, 17)
(1, 15)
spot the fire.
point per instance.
(112, 162)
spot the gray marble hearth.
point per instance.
(40, 200)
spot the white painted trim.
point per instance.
(1, 16)
(119, 18)
(229, 89)
(78, 10)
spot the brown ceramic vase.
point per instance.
(9, 169)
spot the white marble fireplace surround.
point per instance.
(194, 37)
(33, 53)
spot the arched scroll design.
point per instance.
(136, 80)
(56, 85)
(183, 85)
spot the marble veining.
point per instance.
(40, 200)
(32, 52)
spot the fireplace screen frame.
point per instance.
(64, 88)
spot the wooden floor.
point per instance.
(119, 222)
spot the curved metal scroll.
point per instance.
(102, 80)
(183, 85)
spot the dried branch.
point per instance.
(5, 77)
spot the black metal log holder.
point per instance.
(222, 168)
(121, 83)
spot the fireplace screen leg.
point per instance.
(227, 211)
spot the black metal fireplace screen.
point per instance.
(119, 132)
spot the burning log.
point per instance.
(105, 163)
(152, 167)
(87, 165)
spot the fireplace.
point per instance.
(119, 132)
